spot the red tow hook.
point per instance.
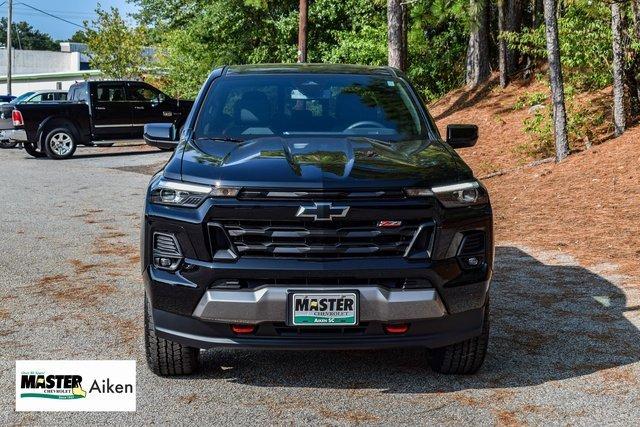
(243, 329)
(396, 329)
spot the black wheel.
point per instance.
(60, 144)
(31, 149)
(164, 357)
(7, 143)
(465, 357)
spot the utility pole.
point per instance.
(302, 31)
(9, 18)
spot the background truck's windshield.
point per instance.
(249, 106)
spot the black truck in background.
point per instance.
(95, 111)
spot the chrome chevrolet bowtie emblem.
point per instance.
(322, 211)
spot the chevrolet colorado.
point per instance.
(96, 111)
(315, 207)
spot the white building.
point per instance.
(41, 69)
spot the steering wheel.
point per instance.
(366, 123)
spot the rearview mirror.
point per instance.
(462, 136)
(161, 135)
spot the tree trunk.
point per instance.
(619, 114)
(538, 14)
(405, 36)
(394, 33)
(502, 44)
(635, 67)
(515, 9)
(478, 67)
(555, 77)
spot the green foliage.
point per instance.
(437, 58)
(529, 99)
(540, 129)
(195, 36)
(582, 123)
(585, 44)
(79, 36)
(114, 47)
(24, 36)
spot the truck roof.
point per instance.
(309, 68)
(106, 81)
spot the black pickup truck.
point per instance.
(315, 206)
(95, 111)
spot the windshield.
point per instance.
(251, 106)
(22, 97)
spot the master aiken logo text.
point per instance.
(66, 386)
(59, 385)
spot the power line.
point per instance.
(50, 14)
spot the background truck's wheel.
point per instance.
(7, 143)
(60, 144)
(465, 357)
(166, 357)
(31, 149)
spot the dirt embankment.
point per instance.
(589, 205)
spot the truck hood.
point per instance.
(276, 162)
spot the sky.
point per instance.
(75, 11)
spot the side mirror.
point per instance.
(161, 135)
(462, 136)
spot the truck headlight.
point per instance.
(463, 194)
(176, 193)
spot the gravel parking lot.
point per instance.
(565, 344)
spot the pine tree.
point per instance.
(619, 113)
(502, 44)
(395, 37)
(478, 67)
(555, 77)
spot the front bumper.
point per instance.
(269, 304)
(208, 323)
(429, 333)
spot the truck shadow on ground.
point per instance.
(549, 322)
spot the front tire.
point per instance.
(465, 357)
(31, 149)
(60, 144)
(164, 357)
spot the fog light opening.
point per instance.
(243, 329)
(396, 329)
(166, 263)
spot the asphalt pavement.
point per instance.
(565, 340)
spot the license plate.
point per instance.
(324, 309)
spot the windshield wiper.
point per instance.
(374, 140)
(219, 138)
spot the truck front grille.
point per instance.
(337, 239)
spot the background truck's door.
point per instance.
(148, 105)
(111, 113)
